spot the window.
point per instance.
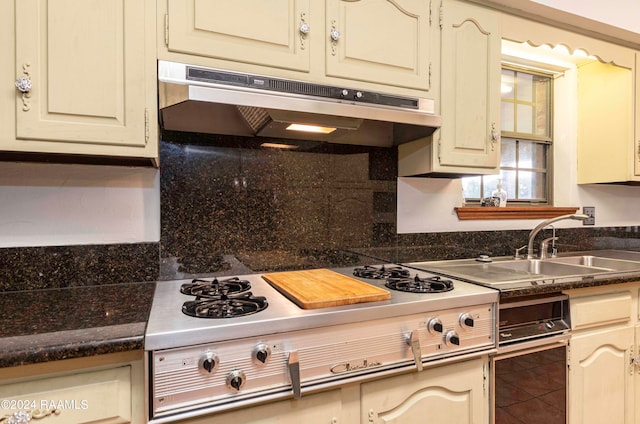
(526, 137)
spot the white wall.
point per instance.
(51, 204)
(427, 204)
(620, 13)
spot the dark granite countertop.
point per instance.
(63, 323)
(563, 284)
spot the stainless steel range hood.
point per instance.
(204, 100)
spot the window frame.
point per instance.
(516, 136)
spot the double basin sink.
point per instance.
(509, 271)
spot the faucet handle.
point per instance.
(518, 255)
(543, 247)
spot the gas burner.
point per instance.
(228, 298)
(380, 273)
(215, 288)
(238, 305)
(420, 285)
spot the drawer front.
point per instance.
(98, 396)
(602, 309)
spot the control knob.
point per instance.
(344, 92)
(208, 363)
(466, 321)
(261, 354)
(235, 380)
(358, 95)
(435, 325)
(452, 338)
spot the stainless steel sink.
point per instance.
(547, 267)
(599, 262)
(501, 272)
(504, 270)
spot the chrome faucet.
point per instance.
(543, 224)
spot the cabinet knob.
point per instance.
(24, 84)
(304, 28)
(495, 136)
(334, 34)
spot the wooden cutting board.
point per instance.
(323, 288)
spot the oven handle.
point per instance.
(530, 346)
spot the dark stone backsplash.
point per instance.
(30, 268)
(229, 207)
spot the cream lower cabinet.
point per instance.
(635, 154)
(451, 394)
(110, 394)
(468, 143)
(381, 45)
(603, 376)
(447, 394)
(87, 74)
(320, 408)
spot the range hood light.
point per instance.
(311, 128)
(279, 145)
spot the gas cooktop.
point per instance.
(173, 320)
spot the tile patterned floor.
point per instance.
(530, 389)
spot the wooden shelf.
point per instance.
(512, 212)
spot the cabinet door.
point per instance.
(601, 378)
(321, 408)
(86, 62)
(636, 143)
(605, 94)
(469, 136)
(452, 394)
(380, 41)
(262, 32)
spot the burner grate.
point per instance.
(215, 288)
(228, 298)
(383, 272)
(420, 285)
(225, 307)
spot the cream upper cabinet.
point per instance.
(470, 88)
(448, 394)
(387, 46)
(607, 100)
(468, 143)
(388, 42)
(87, 77)
(606, 124)
(264, 32)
